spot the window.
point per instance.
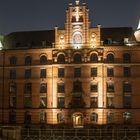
(94, 58)
(110, 58)
(77, 86)
(94, 87)
(43, 88)
(127, 71)
(61, 102)
(94, 102)
(61, 88)
(61, 72)
(126, 87)
(110, 102)
(27, 102)
(12, 117)
(12, 87)
(60, 118)
(77, 58)
(77, 72)
(12, 74)
(28, 60)
(42, 116)
(127, 101)
(93, 72)
(43, 73)
(126, 58)
(43, 60)
(27, 117)
(110, 72)
(12, 102)
(127, 117)
(28, 88)
(110, 87)
(61, 59)
(94, 118)
(28, 73)
(43, 102)
(110, 117)
(13, 61)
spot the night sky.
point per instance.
(24, 15)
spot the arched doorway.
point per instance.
(78, 120)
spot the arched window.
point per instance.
(61, 59)
(13, 60)
(60, 118)
(12, 117)
(110, 58)
(43, 88)
(94, 117)
(27, 117)
(126, 58)
(28, 60)
(77, 58)
(43, 60)
(94, 58)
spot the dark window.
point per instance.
(94, 58)
(60, 118)
(13, 61)
(77, 72)
(81, 19)
(110, 72)
(77, 86)
(28, 73)
(43, 73)
(27, 102)
(61, 72)
(61, 88)
(12, 87)
(127, 71)
(61, 59)
(12, 117)
(126, 58)
(43, 102)
(27, 117)
(28, 88)
(12, 74)
(61, 102)
(126, 87)
(127, 101)
(127, 117)
(43, 60)
(110, 58)
(94, 117)
(43, 88)
(77, 58)
(94, 87)
(73, 19)
(94, 102)
(110, 102)
(42, 116)
(12, 102)
(110, 87)
(28, 60)
(110, 117)
(93, 72)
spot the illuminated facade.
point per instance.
(79, 75)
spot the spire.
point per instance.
(77, 2)
(139, 25)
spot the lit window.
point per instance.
(94, 58)
(12, 102)
(43, 88)
(27, 117)
(12, 87)
(127, 117)
(28, 73)
(60, 118)
(94, 118)
(126, 58)
(43, 102)
(28, 60)
(127, 87)
(110, 87)
(110, 102)
(13, 61)
(42, 117)
(77, 72)
(94, 102)
(110, 72)
(27, 102)
(94, 87)
(12, 117)
(61, 72)
(12, 74)
(127, 71)
(61, 59)
(61, 88)
(43, 60)
(43, 73)
(61, 102)
(93, 72)
(127, 101)
(110, 58)
(28, 88)
(77, 58)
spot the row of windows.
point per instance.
(127, 117)
(76, 59)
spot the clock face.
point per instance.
(77, 38)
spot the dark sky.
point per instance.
(24, 15)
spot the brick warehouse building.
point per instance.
(79, 75)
